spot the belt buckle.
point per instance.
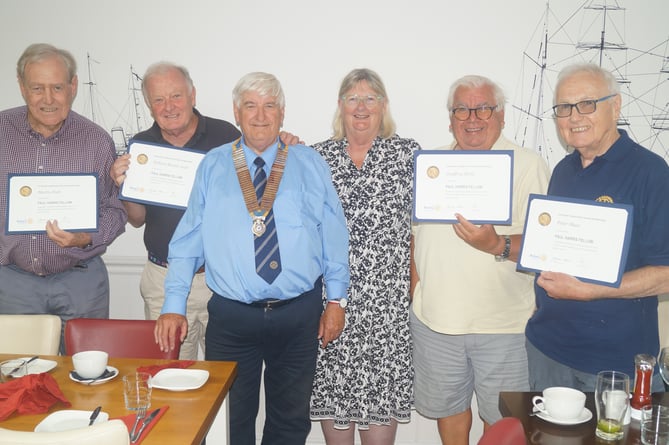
(270, 304)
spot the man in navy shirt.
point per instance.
(170, 95)
(582, 328)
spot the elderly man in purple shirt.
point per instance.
(57, 271)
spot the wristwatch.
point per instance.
(507, 249)
(342, 302)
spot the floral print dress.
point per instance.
(366, 375)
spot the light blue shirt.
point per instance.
(216, 230)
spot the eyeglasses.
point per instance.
(463, 113)
(583, 107)
(354, 100)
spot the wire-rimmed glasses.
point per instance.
(583, 107)
(353, 100)
(483, 112)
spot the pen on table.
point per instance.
(94, 415)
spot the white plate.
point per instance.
(37, 366)
(584, 417)
(68, 419)
(174, 379)
(96, 382)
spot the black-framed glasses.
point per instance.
(484, 112)
(583, 107)
(353, 100)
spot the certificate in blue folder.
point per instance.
(70, 199)
(160, 175)
(585, 239)
(474, 183)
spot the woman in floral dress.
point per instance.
(365, 377)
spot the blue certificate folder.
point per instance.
(477, 184)
(69, 198)
(160, 175)
(586, 239)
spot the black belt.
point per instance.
(157, 261)
(271, 304)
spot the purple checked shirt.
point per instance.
(80, 146)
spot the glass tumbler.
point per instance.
(612, 402)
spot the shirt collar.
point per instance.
(269, 155)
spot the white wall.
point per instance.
(418, 48)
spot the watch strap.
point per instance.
(507, 249)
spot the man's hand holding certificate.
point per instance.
(160, 174)
(585, 239)
(475, 184)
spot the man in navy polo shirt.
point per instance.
(582, 328)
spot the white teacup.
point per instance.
(560, 403)
(90, 364)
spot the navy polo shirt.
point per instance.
(592, 336)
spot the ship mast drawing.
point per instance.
(594, 32)
(129, 121)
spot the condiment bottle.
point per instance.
(643, 375)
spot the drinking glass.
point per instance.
(612, 402)
(655, 425)
(12, 368)
(663, 364)
(137, 391)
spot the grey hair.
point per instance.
(264, 84)
(374, 81)
(590, 68)
(160, 68)
(476, 81)
(41, 51)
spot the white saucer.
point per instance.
(584, 417)
(68, 419)
(111, 369)
(174, 379)
(37, 366)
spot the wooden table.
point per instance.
(541, 432)
(187, 421)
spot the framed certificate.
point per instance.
(160, 174)
(70, 199)
(475, 184)
(586, 239)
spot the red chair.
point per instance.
(506, 431)
(119, 338)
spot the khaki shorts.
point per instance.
(450, 368)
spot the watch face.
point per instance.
(343, 302)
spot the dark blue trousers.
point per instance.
(285, 340)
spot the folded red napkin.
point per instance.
(30, 394)
(153, 369)
(129, 421)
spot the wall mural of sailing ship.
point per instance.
(131, 119)
(593, 32)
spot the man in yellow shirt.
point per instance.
(470, 306)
